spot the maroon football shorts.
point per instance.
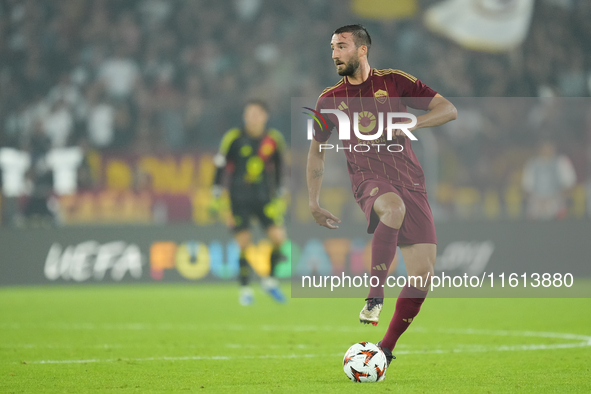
(417, 226)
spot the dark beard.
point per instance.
(350, 69)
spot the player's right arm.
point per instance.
(314, 175)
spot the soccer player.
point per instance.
(253, 156)
(389, 187)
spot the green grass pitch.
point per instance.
(196, 338)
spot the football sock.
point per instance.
(408, 306)
(244, 273)
(383, 250)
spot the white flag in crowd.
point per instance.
(485, 25)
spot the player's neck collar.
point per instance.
(371, 70)
(263, 134)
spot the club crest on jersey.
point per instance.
(381, 96)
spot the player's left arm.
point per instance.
(439, 111)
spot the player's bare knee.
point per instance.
(393, 215)
(390, 209)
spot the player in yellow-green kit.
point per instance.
(252, 158)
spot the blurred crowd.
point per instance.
(159, 74)
(143, 76)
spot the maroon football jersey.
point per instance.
(384, 91)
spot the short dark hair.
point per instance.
(360, 35)
(258, 102)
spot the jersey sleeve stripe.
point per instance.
(410, 77)
(384, 72)
(332, 87)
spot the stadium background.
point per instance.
(146, 88)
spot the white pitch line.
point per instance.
(466, 349)
(57, 346)
(300, 328)
(582, 341)
(536, 334)
(306, 328)
(258, 346)
(123, 326)
(500, 348)
(136, 345)
(181, 358)
(191, 327)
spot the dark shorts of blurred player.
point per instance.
(417, 227)
(244, 212)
